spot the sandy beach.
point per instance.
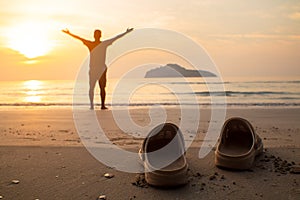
(41, 150)
(194, 64)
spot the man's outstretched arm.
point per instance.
(121, 35)
(71, 34)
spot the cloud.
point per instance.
(256, 36)
(295, 16)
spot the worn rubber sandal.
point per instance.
(238, 145)
(163, 155)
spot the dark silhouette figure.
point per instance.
(97, 64)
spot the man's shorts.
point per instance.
(94, 77)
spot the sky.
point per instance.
(244, 38)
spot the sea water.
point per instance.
(154, 91)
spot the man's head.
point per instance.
(97, 34)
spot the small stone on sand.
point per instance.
(102, 197)
(108, 175)
(15, 181)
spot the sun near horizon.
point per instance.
(248, 39)
(30, 39)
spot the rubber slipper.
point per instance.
(163, 155)
(238, 145)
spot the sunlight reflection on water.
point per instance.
(32, 88)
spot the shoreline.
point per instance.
(56, 127)
(133, 107)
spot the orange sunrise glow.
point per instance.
(261, 38)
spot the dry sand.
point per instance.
(42, 150)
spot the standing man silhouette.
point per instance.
(97, 64)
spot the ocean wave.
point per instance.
(197, 83)
(235, 82)
(150, 104)
(237, 93)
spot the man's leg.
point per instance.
(102, 85)
(91, 92)
(103, 95)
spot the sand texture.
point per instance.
(42, 157)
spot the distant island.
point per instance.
(174, 70)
